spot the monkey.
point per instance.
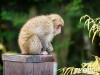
(36, 34)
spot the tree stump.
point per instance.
(17, 64)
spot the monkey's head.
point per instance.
(57, 22)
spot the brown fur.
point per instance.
(36, 35)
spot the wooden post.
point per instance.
(17, 64)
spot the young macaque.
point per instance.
(36, 35)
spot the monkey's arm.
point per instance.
(44, 44)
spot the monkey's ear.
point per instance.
(53, 19)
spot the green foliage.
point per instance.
(9, 35)
(1, 68)
(62, 45)
(16, 18)
(73, 7)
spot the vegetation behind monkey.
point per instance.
(36, 35)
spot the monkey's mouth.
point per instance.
(59, 28)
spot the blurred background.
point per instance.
(72, 46)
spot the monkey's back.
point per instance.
(40, 26)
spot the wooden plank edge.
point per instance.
(28, 58)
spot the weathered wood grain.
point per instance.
(7, 67)
(28, 68)
(14, 64)
(28, 58)
(3, 67)
(16, 68)
(45, 68)
(38, 69)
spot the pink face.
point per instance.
(59, 29)
(58, 23)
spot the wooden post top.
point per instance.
(28, 58)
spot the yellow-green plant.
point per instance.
(93, 25)
(2, 48)
(92, 67)
(68, 71)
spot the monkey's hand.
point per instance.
(50, 48)
(43, 51)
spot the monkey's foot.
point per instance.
(44, 52)
(49, 49)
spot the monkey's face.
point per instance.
(58, 23)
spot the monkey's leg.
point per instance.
(31, 45)
(24, 46)
(35, 45)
